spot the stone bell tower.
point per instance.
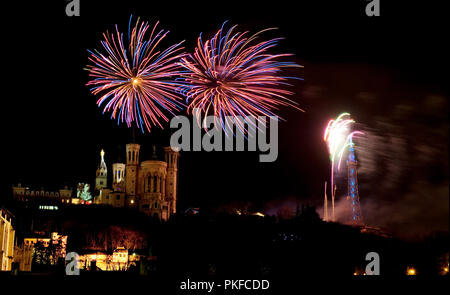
(131, 168)
(171, 178)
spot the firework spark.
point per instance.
(232, 75)
(135, 77)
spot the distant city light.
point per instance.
(45, 207)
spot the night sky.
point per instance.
(387, 71)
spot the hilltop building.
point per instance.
(25, 194)
(149, 186)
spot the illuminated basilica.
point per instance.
(150, 186)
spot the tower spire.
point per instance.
(102, 161)
(102, 172)
(353, 192)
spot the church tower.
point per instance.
(153, 188)
(102, 172)
(131, 169)
(171, 180)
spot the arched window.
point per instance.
(155, 181)
(149, 183)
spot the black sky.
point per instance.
(371, 67)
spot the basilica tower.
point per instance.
(171, 182)
(152, 188)
(102, 173)
(132, 169)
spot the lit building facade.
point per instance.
(7, 235)
(23, 193)
(32, 241)
(119, 260)
(150, 186)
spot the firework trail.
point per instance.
(233, 75)
(135, 78)
(338, 137)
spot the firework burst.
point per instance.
(233, 75)
(336, 134)
(135, 78)
(338, 137)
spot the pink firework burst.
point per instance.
(233, 75)
(136, 78)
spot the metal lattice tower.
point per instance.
(353, 193)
